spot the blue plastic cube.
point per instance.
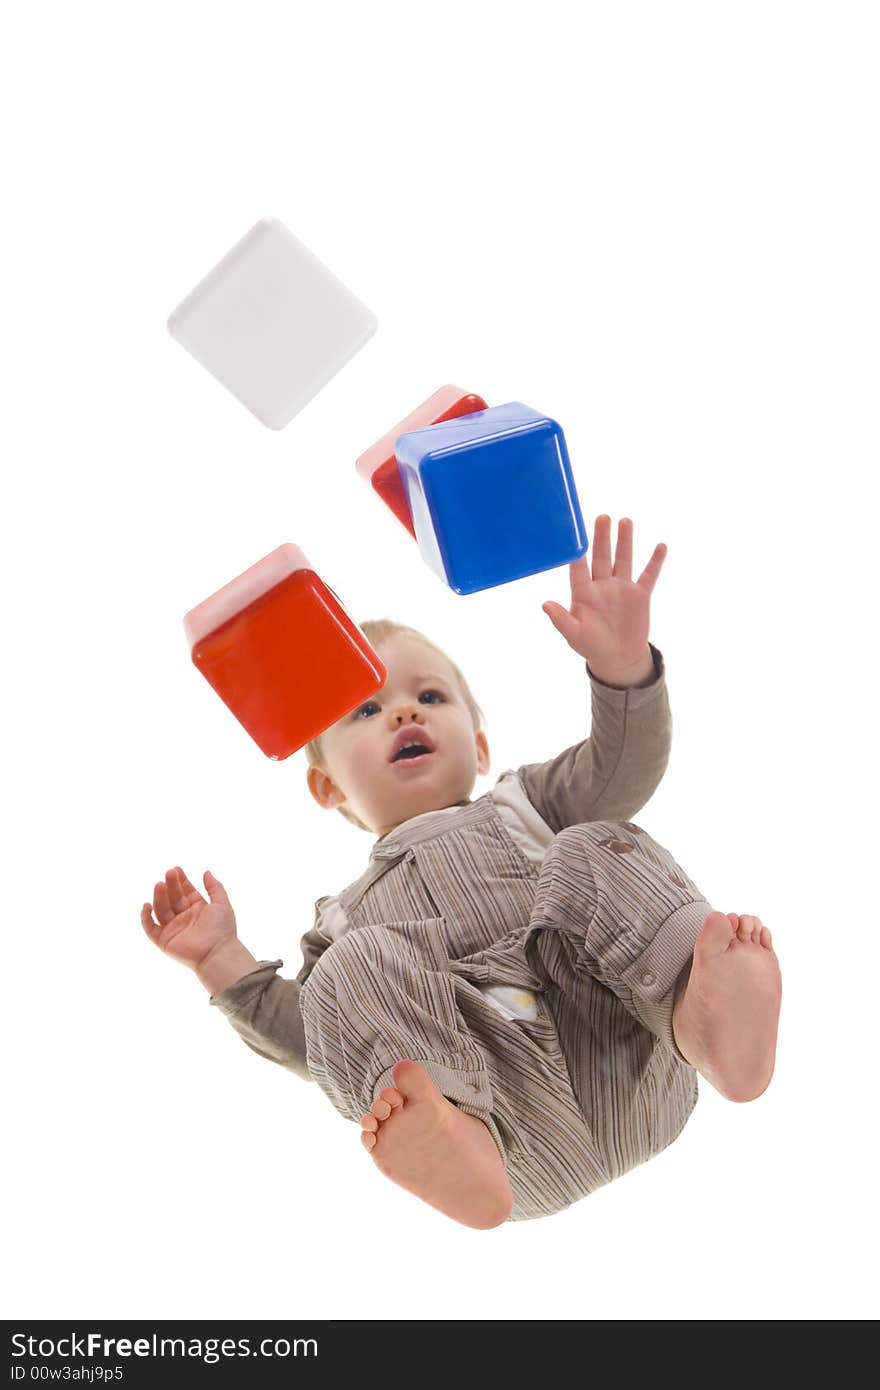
(492, 496)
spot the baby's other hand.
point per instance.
(608, 621)
(188, 927)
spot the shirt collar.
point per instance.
(413, 820)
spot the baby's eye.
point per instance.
(371, 704)
(431, 692)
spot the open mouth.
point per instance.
(412, 746)
(414, 753)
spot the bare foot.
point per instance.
(426, 1144)
(725, 1021)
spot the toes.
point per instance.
(391, 1097)
(766, 938)
(716, 934)
(368, 1140)
(387, 1100)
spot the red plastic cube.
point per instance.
(378, 466)
(282, 653)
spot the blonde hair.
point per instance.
(376, 631)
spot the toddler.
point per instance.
(514, 998)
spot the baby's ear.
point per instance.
(324, 789)
(482, 753)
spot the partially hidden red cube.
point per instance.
(282, 653)
(378, 465)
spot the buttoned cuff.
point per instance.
(652, 977)
(632, 696)
(469, 1090)
(230, 999)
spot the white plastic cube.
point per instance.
(272, 323)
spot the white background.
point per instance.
(657, 223)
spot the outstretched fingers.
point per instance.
(601, 562)
(623, 560)
(649, 575)
(580, 581)
(621, 567)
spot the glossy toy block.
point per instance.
(272, 323)
(378, 465)
(492, 496)
(282, 653)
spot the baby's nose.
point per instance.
(408, 714)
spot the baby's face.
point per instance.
(362, 766)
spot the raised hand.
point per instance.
(609, 618)
(189, 928)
